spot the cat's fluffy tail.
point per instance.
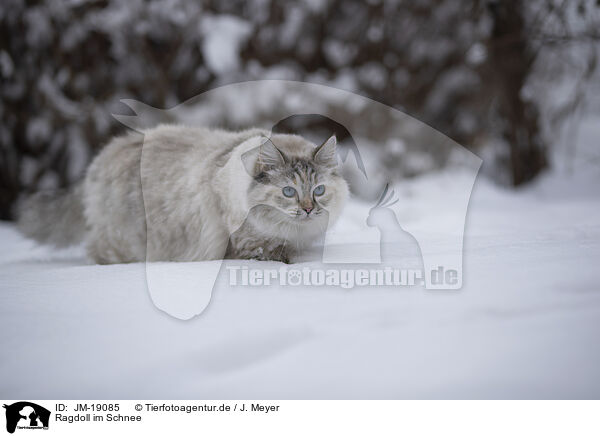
(53, 217)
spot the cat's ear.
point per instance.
(325, 154)
(269, 154)
(266, 154)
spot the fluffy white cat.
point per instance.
(187, 194)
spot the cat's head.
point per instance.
(298, 180)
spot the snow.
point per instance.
(224, 36)
(524, 325)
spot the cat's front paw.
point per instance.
(278, 255)
(256, 254)
(281, 258)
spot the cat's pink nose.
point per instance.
(308, 209)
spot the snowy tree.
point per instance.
(476, 70)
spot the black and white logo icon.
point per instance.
(26, 415)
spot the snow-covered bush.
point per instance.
(468, 68)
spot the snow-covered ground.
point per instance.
(525, 325)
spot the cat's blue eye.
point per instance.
(288, 191)
(319, 190)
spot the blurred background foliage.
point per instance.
(499, 77)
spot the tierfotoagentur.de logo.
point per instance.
(24, 415)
